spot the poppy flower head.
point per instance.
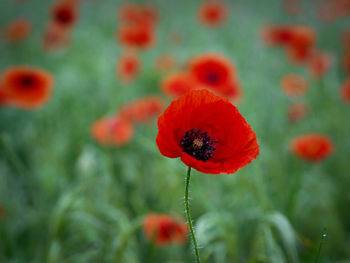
(65, 13)
(297, 111)
(177, 84)
(345, 91)
(319, 64)
(164, 230)
(27, 87)
(294, 85)
(18, 30)
(211, 70)
(276, 35)
(207, 132)
(165, 62)
(213, 13)
(128, 67)
(55, 37)
(301, 44)
(136, 36)
(312, 147)
(142, 110)
(112, 131)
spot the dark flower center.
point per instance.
(27, 81)
(198, 144)
(212, 78)
(64, 16)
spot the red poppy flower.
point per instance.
(212, 71)
(312, 147)
(294, 85)
(207, 132)
(301, 45)
(277, 35)
(177, 84)
(55, 37)
(65, 13)
(112, 131)
(18, 30)
(27, 87)
(345, 91)
(297, 111)
(134, 13)
(164, 230)
(319, 64)
(142, 110)
(165, 62)
(3, 97)
(213, 13)
(136, 35)
(128, 67)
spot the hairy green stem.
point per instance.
(189, 215)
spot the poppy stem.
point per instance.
(187, 206)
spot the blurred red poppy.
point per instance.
(277, 35)
(17, 31)
(213, 13)
(55, 37)
(142, 110)
(207, 132)
(177, 84)
(164, 230)
(112, 131)
(319, 64)
(165, 62)
(27, 87)
(301, 44)
(215, 72)
(297, 111)
(128, 67)
(136, 13)
(312, 147)
(65, 13)
(136, 36)
(345, 91)
(3, 97)
(294, 85)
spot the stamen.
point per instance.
(198, 144)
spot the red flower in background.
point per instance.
(319, 64)
(301, 44)
(17, 31)
(65, 13)
(207, 132)
(165, 62)
(294, 85)
(215, 72)
(312, 147)
(128, 67)
(297, 111)
(345, 91)
(3, 97)
(112, 131)
(213, 13)
(142, 110)
(135, 13)
(164, 230)
(136, 36)
(177, 84)
(277, 35)
(27, 87)
(55, 37)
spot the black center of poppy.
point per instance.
(64, 16)
(198, 144)
(27, 81)
(212, 78)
